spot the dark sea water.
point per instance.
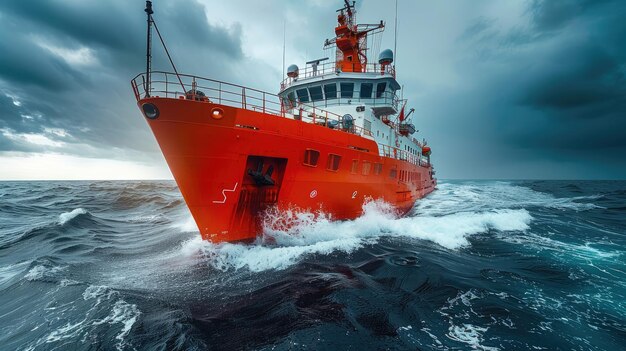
(538, 265)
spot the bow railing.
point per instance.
(183, 86)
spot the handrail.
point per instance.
(333, 68)
(205, 89)
(165, 84)
(394, 152)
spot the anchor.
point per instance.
(262, 179)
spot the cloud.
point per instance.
(68, 66)
(544, 90)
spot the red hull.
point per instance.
(213, 162)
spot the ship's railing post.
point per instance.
(263, 102)
(243, 98)
(166, 86)
(219, 93)
(143, 84)
(193, 89)
(326, 120)
(313, 115)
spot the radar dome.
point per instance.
(385, 57)
(292, 71)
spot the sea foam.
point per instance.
(68, 216)
(316, 233)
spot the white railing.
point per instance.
(333, 68)
(183, 86)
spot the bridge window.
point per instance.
(347, 90)
(366, 91)
(380, 89)
(311, 157)
(355, 166)
(393, 173)
(366, 167)
(303, 95)
(333, 162)
(316, 93)
(330, 90)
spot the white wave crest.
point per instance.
(481, 196)
(121, 315)
(299, 234)
(41, 272)
(68, 216)
(470, 335)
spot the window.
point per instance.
(303, 95)
(355, 166)
(380, 89)
(366, 91)
(366, 167)
(333, 162)
(292, 98)
(378, 168)
(347, 90)
(316, 93)
(311, 157)
(393, 173)
(330, 90)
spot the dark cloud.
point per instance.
(551, 92)
(25, 62)
(578, 76)
(89, 96)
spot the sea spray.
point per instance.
(299, 234)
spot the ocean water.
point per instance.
(481, 265)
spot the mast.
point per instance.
(395, 35)
(351, 39)
(149, 13)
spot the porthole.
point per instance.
(150, 111)
(217, 113)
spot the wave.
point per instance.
(117, 313)
(68, 216)
(44, 273)
(315, 233)
(479, 196)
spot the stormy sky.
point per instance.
(502, 89)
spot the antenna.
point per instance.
(284, 45)
(395, 36)
(149, 13)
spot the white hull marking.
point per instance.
(224, 194)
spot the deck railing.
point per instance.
(333, 68)
(394, 152)
(168, 85)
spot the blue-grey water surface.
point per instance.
(478, 265)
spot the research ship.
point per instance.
(335, 136)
